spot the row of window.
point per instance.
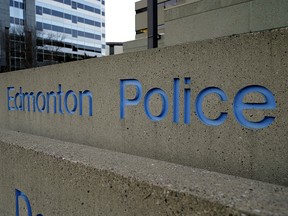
(75, 33)
(74, 19)
(16, 4)
(17, 21)
(76, 5)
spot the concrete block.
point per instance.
(61, 178)
(268, 14)
(230, 64)
(211, 24)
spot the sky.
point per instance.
(120, 20)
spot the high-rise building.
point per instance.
(46, 31)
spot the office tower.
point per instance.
(51, 31)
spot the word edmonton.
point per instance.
(41, 102)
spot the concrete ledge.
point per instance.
(62, 178)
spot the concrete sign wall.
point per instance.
(218, 104)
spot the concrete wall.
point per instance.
(210, 19)
(60, 178)
(228, 63)
(140, 44)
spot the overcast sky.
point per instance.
(120, 20)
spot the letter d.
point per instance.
(19, 194)
(129, 102)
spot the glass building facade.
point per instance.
(55, 30)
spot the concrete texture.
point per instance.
(228, 63)
(62, 178)
(207, 19)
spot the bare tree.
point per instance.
(26, 45)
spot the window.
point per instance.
(79, 5)
(74, 6)
(57, 13)
(80, 19)
(80, 33)
(46, 11)
(103, 35)
(11, 3)
(67, 16)
(103, 24)
(96, 10)
(67, 31)
(16, 4)
(39, 26)
(103, 13)
(89, 22)
(12, 20)
(88, 8)
(74, 33)
(46, 26)
(74, 19)
(97, 24)
(38, 10)
(67, 2)
(89, 35)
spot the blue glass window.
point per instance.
(39, 26)
(46, 26)
(67, 2)
(74, 33)
(80, 33)
(79, 5)
(57, 13)
(80, 19)
(74, 5)
(46, 11)
(11, 3)
(89, 22)
(74, 19)
(12, 20)
(67, 16)
(68, 31)
(38, 10)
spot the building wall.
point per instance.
(203, 19)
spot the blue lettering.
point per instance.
(70, 92)
(89, 95)
(60, 93)
(198, 106)
(187, 96)
(129, 102)
(40, 109)
(176, 96)
(10, 98)
(164, 110)
(239, 106)
(19, 194)
(49, 94)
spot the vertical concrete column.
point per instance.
(4, 26)
(30, 32)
